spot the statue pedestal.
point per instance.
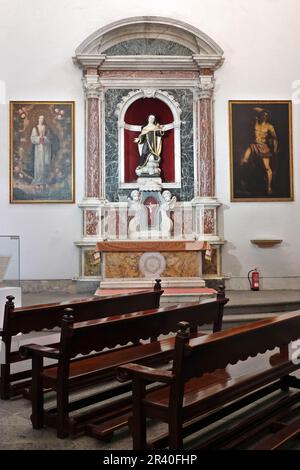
(149, 183)
(150, 235)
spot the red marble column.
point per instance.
(91, 222)
(92, 161)
(94, 187)
(205, 154)
(209, 222)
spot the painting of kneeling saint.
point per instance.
(261, 157)
(41, 152)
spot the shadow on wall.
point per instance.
(231, 263)
(221, 210)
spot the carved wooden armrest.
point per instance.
(131, 371)
(30, 350)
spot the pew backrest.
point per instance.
(48, 316)
(95, 335)
(196, 356)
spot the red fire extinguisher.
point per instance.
(253, 278)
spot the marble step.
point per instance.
(265, 307)
(241, 308)
(230, 321)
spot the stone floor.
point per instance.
(16, 431)
(249, 297)
(235, 297)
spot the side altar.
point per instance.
(150, 208)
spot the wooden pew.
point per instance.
(96, 335)
(207, 382)
(39, 317)
(284, 433)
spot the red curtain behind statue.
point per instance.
(137, 114)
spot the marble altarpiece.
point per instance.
(149, 223)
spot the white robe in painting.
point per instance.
(42, 155)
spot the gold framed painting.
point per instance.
(42, 152)
(261, 151)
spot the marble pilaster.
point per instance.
(209, 221)
(91, 222)
(205, 200)
(94, 187)
(205, 187)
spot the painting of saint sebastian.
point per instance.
(261, 150)
(264, 146)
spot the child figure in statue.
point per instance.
(137, 209)
(166, 224)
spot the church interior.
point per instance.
(149, 178)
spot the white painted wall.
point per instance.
(260, 40)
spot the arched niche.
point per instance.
(142, 54)
(132, 112)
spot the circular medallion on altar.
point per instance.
(152, 264)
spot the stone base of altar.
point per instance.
(136, 264)
(171, 294)
(134, 283)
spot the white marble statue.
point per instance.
(136, 209)
(166, 224)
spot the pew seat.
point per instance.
(249, 374)
(106, 362)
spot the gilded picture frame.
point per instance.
(42, 152)
(261, 150)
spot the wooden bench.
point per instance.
(207, 382)
(96, 335)
(282, 433)
(40, 317)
